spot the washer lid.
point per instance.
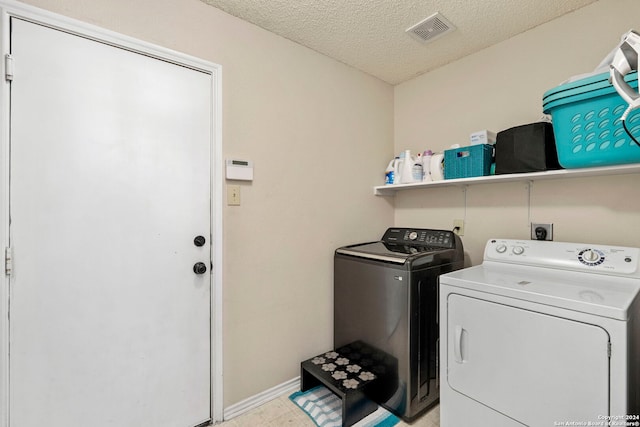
(381, 251)
(607, 296)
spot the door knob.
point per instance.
(199, 241)
(199, 268)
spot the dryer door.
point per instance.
(535, 368)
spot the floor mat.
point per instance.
(325, 408)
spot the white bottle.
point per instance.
(417, 169)
(426, 165)
(397, 163)
(406, 170)
(398, 167)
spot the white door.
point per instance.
(532, 367)
(110, 184)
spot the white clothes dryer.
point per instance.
(541, 334)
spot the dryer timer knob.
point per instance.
(590, 255)
(501, 248)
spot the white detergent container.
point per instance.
(390, 173)
(406, 170)
(436, 167)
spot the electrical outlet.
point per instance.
(458, 227)
(233, 195)
(541, 231)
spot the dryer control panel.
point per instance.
(618, 260)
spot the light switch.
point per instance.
(233, 195)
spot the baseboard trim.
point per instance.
(261, 398)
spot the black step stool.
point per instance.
(357, 373)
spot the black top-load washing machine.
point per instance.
(386, 297)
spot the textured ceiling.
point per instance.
(370, 34)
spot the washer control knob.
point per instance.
(518, 250)
(501, 248)
(413, 235)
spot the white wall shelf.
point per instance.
(390, 190)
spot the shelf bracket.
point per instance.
(528, 186)
(464, 201)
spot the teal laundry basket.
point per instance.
(586, 123)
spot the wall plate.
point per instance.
(540, 231)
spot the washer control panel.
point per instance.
(573, 256)
(420, 237)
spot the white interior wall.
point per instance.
(317, 131)
(501, 87)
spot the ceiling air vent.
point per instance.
(430, 28)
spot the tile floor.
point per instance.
(282, 412)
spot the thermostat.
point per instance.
(241, 170)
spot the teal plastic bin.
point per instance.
(586, 123)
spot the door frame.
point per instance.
(11, 8)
